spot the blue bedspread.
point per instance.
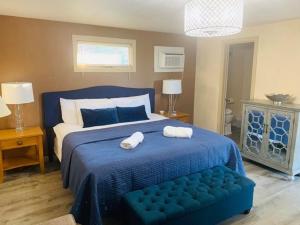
(99, 172)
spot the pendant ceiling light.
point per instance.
(212, 18)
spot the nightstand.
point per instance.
(184, 117)
(19, 149)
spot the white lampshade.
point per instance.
(172, 87)
(17, 92)
(4, 110)
(212, 18)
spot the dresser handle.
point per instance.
(19, 142)
(266, 127)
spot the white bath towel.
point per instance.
(133, 141)
(179, 132)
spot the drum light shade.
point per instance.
(4, 111)
(212, 18)
(17, 92)
(172, 87)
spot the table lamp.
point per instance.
(4, 110)
(17, 93)
(172, 88)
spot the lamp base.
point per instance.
(172, 103)
(19, 118)
(19, 129)
(174, 113)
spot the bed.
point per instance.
(99, 172)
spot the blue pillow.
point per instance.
(130, 114)
(98, 117)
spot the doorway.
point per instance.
(238, 82)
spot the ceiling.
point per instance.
(153, 15)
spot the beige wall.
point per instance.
(40, 52)
(239, 77)
(277, 68)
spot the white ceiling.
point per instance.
(153, 15)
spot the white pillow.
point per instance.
(134, 101)
(101, 103)
(68, 111)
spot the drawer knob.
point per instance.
(19, 142)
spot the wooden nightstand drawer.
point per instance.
(18, 142)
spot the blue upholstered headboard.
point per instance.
(52, 111)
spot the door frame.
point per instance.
(228, 43)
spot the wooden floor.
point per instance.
(28, 198)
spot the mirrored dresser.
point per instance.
(271, 136)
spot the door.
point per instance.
(254, 130)
(279, 137)
(237, 86)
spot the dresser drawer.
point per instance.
(18, 142)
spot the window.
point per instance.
(101, 54)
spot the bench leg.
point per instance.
(247, 211)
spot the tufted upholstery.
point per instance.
(186, 195)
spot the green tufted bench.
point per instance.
(203, 198)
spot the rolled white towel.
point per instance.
(179, 132)
(132, 141)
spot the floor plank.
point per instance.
(28, 197)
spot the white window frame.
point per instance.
(131, 44)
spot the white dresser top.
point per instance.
(293, 107)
